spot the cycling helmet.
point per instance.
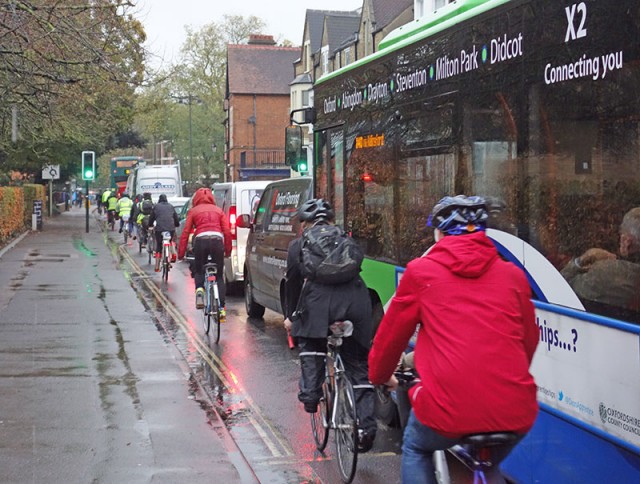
(459, 215)
(315, 209)
(146, 196)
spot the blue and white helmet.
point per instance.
(459, 215)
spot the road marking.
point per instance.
(214, 362)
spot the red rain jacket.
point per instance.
(476, 338)
(205, 216)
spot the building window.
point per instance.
(324, 53)
(347, 56)
(307, 57)
(306, 98)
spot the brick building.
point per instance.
(257, 108)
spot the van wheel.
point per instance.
(254, 310)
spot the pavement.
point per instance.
(90, 390)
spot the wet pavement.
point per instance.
(91, 390)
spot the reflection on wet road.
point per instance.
(250, 379)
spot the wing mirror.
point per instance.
(243, 221)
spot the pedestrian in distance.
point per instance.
(212, 237)
(476, 339)
(165, 218)
(312, 306)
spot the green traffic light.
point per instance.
(88, 174)
(302, 166)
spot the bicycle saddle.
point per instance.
(489, 439)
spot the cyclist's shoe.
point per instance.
(223, 315)
(310, 407)
(134, 237)
(199, 298)
(120, 231)
(365, 440)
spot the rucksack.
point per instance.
(329, 255)
(146, 207)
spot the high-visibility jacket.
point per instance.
(123, 207)
(105, 196)
(112, 202)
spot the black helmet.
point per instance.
(146, 196)
(315, 209)
(458, 215)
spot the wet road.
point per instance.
(250, 377)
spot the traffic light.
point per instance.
(88, 165)
(295, 150)
(302, 166)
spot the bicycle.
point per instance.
(211, 299)
(151, 243)
(337, 407)
(475, 451)
(125, 227)
(166, 255)
(111, 219)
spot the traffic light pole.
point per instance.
(86, 204)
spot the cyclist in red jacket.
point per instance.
(212, 237)
(476, 339)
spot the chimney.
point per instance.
(259, 39)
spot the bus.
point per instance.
(121, 168)
(535, 105)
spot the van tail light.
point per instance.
(232, 222)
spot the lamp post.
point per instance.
(190, 143)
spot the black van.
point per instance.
(273, 226)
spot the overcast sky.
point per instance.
(164, 20)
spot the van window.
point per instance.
(261, 213)
(219, 196)
(250, 198)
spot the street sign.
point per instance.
(51, 172)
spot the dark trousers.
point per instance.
(203, 247)
(354, 356)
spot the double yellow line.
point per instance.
(277, 447)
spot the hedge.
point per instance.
(16, 207)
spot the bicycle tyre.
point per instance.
(215, 313)
(150, 247)
(206, 312)
(139, 244)
(346, 432)
(125, 231)
(320, 419)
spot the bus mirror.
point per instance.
(294, 151)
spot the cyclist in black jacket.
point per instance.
(166, 219)
(317, 306)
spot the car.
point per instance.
(273, 225)
(236, 198)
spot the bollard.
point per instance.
(34, 222)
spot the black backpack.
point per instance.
(146, 207)
(329, 255)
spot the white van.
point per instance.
(157, 180)
(235, 199)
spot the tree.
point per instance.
(192, 92)
(68, 71)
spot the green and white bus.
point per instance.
(534, 104)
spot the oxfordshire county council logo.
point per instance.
(603, 412)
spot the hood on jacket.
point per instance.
(465, 255)
(203, 195)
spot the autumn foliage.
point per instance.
(16, 207)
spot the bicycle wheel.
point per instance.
(150, 247)
(320, 419)
(125, 231)
(206, 312)
(215, 313)
(346, 433)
